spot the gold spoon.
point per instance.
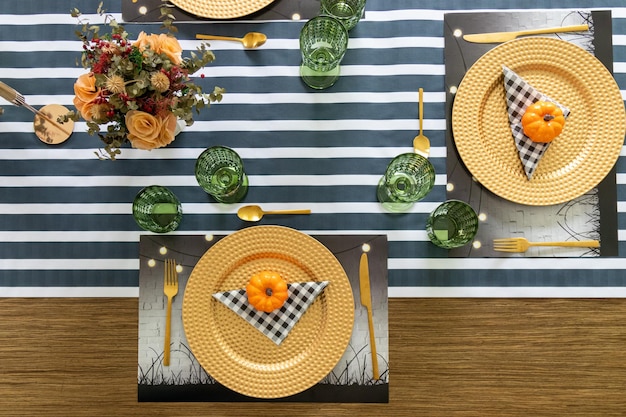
(421, 144)
(249, 40)
(255, 213)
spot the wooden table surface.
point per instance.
(448, 357)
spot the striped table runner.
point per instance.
(66, 227)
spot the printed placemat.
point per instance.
(590, 216)
(185, 380)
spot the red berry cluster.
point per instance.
(100, 51)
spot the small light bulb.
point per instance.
(151, 263)
(143, 10)
(366, 247)
(296, 16)
(208, 238)
(476, 244)
(457, 33)
(179, 268)
(163, 250)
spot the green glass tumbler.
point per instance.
(348, 12)
(157, 209)
(409, 177)
(323, 43)
(219, 171)
(452, 224)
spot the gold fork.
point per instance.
(520, 244)
(170, 289)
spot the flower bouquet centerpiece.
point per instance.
(136, 91)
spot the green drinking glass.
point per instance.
(219, 171)
(452, 224)
(348, 12)
(409, 177)
(323, 43)
(157, 209)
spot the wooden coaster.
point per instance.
(47, 129)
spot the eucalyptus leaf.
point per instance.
(130, 76)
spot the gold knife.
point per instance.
(366, 301)
(497, 37)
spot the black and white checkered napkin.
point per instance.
(520, 95)
(277, 324)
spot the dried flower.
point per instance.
(160, 82)
(100, 112)
(138, 90)
(115, 84)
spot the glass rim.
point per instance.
(412, 155)
(210, 148)
(143, 190)
(453, 200)
(359, 1)
(330, 18)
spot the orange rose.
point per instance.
(169, 46)
(146, 131)
(142, 41)
(93, 111)
(85, 88)
(84, 108)
(166, 136)
(161, 44)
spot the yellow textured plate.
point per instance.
(578, 159)
(221, 9)
(239, 356)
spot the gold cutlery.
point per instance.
(255, 213)
(421, 144)
(170, 289)
(250, 40)
(12, 96)
(520, 244)
(366, 301)
(497, 37)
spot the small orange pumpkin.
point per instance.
(267, 291)
(543, 121)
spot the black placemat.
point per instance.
(601, 202)
(185, 380)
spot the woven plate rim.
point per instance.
(221, 9)
(578, 159)
(235, 353)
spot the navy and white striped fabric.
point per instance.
(66, 227)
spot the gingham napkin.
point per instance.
(277, 324)
(519, 95)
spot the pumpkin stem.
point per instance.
(268, 292)
(548, 117)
